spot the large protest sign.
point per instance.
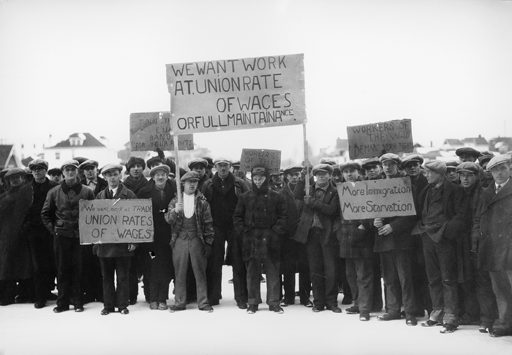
(376, 198)
(237, 94)
(115, 221)
(151, 130)
(270, 159)
(372, 140)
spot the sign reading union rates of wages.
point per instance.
(373, 140)
(237, 93)
(376, 198)
(115, 221)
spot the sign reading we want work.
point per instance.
(373, 140)
(237, 94)
(376, 198)
(115, 221)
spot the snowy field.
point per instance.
(228, 330)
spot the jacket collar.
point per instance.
(77, 187)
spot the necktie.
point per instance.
(498, 188)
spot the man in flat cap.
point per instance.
(223, 192)
(260, 221)
(60, 217)
(199, 165)
(485, 176)
(192, 238)
(468, 154)
(445, 217)
(495, 240)
(15, 265)
(396, 248)
(316, 231)
(478, 298)
(91, 179)
(115, 258)
(55, 175)
(373, 169)
(451, 172)
(40, 240)
(239, 173)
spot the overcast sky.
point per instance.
(84, 65)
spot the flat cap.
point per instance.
(236, 164)
(390, 156)
(452, 165)
(222, 161)
(371, 161)
(290, 169)
(110, 167)
(54, 172)
(329, 161)
(412, 158)
(197, 161)
(436, 166)
(350, 164)
(38, 163)
(151, 162)
(14, 171)
(190, 175)
(258, 170)
(467, 150)
(485, 159)
(500, 159)
(134, 161)
(67, 163)
(210, 161)
(468, 167)
(88, 163)
(162, 167)
(326, 168)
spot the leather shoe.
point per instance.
(106, 311)
(335, 309)
(242, 305)
(207, 308)
(448, 328)
(153, 305)
(347, 300)
(389, 316)
(276, 309)
(410, 320)
(124, 311)
(175, 308)
(79, 309)
(430, 323)
(285, 303)
(253, 308)
(40, 304)
(364, 316)
(60, 309)
(307, 303)
(317, 309)
(162, 306)
(499, 332)
(352, 310)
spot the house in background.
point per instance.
(81, 145)
(8, 157)
(452, 144)
(479, 143)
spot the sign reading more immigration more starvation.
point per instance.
(151, 130)
(237, 93)
(373, 140)
(376, 198)
(270, 159)
(115, 221)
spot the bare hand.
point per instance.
(179, 207)
(385, 230)
(377, 222)
(132, 247)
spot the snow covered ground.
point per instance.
(228, 330)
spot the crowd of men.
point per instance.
(451, 262)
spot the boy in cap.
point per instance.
(315, 230)
(495, 240)
(199, 165)
(55, 175)
(115, 258)
(445, 217)
(192, 237)
(260, 221)
(60, 217)
(467, 154)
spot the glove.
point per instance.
(207, 250)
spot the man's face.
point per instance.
(276, 179)
(160, 178)
(373, 171)
(16, 180)
(501, 173)
(222, 169)
(322, 178)
(56, 178)
(39, 173)
(90, 172)
(199, 168)
(190, 186)
(136, 171)
(467, 157)
(238, 173)
(350, 174)
(412, 169)
(451, 174)
(70, 173)
(258, 180)
(467, 179)
(390, 167)
(113, 178)
(433, 177)
(294, 177)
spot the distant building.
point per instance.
(81, 145)
(8, 158)
(452, 144)
(479, 143)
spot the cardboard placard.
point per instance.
(237, 94)
(151, 130)
(376, 198)
(373, 140)
(115, 221)
(270, 159)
